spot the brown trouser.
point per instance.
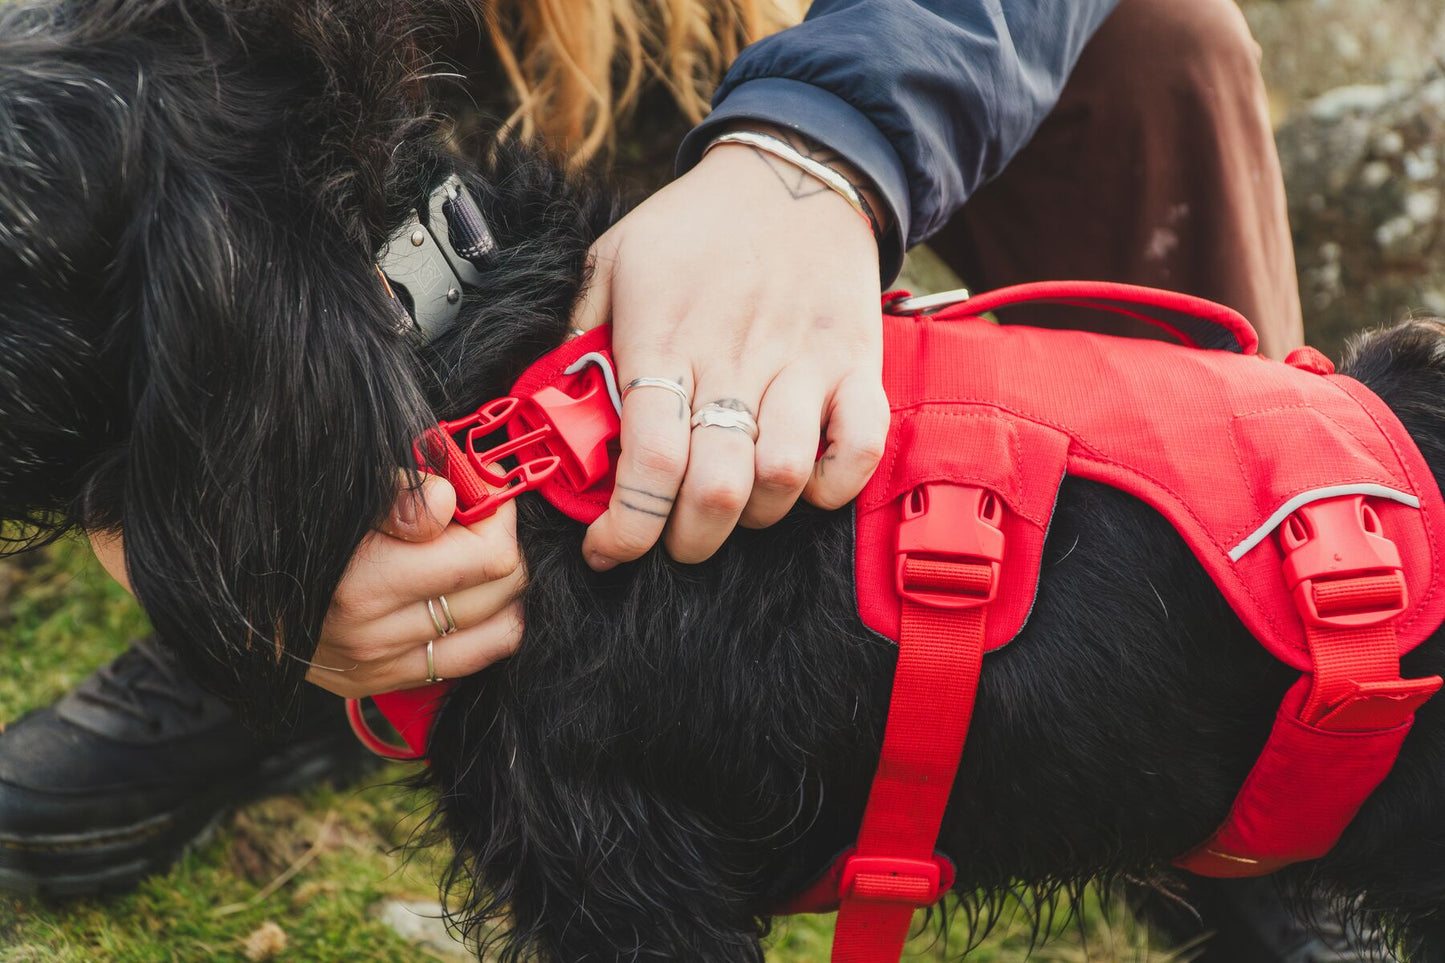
(1156, 167)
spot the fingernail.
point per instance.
(600, 562)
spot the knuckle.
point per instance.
(864, 451)
(722, 498)
(501, 558)
(363, 651)
(777, 475)
(348, 609)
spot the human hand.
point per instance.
(755, 287)
(375, 633)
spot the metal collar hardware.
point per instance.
(422, 259)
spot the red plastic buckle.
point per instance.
(950, 523)
(893, 879)
(553, 431)
(1334, 540)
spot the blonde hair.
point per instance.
(577, 67)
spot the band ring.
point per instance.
(666, 383)
(431, 609)
(431, 665)
(720, 416)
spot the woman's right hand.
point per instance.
(375, 634)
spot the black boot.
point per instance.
(114, 781)
(1248, 921)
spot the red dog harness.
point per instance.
(1297, 489)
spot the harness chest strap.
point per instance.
(949, 551)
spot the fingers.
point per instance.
(411, 623)
(421, 514)
(650, 467)
(389, 573)
(856, 433)
(788, 422)
(716, 487)
(462, 653)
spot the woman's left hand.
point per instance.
(755, 287)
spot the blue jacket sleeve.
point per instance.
(929, 98)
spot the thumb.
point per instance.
(421, 514)
(594, 307)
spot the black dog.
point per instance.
(194, 348)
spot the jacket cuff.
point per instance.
(832, 122)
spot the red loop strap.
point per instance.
(1339, 728)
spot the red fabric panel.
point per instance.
(1302, 792)
(1208, 438)
(1019, 461)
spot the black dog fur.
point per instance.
(194, 349)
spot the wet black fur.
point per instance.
(193, 348)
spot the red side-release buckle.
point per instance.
(550, 431)
(1343, 571)
(892, 879)
(949, 523)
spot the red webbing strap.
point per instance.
(1194, 321)
(1339, 729)
(894, 870)
(1349, 660)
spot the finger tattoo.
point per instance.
(638, 508)
(643, 491)
(733, 404)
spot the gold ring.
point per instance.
(431, 666)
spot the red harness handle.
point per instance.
(1195, 322)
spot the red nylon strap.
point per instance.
(1339, 729)
(1345, 659)
(1194, 321)
(894, 870)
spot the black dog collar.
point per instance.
(429, 263)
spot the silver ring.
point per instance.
(431, 666)
(720, 416)
(431, 609)
(447, 611)
(672, 386)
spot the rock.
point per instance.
(1363, 171)
(266, 942)
(1314, 46)
(420, 923)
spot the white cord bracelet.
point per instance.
(784, 151)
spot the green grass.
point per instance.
(60, 617)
